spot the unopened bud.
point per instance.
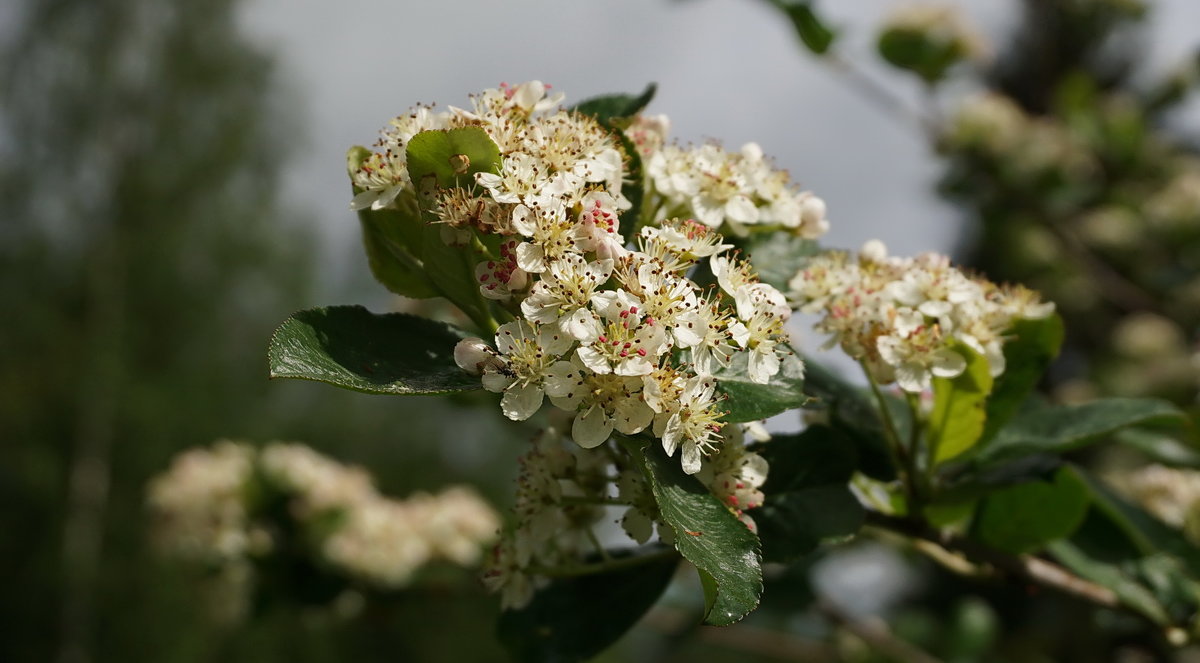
(473, 355)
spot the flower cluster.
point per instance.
(601, 338)
(612, 332)
(222, 506)
(906, 318)
(552, 159)
(596, 309)
(724, 189)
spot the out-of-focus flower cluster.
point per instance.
(234, 505)
(1030, 149)
(907, 319)
(1100, 211)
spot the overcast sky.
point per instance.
(726, 69)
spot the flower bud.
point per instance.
(473, 355)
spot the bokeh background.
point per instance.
(172, 185)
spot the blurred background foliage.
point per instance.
(146, 258)
(147, 254)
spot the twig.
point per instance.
(755, 640)
(889, 102)
(875, 634)
(1032, 569)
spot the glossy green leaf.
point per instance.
(1025, 517)
(573, 619)
(777, 256)
(813, 33)
(724, 551)
(1056, 430)
(747, 400)
(350, 347)
(959, 403)
(1032, 345)
(611, 108)
(808, 499)
(450, 157)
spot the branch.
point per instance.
(764, 642)
(875, 634)
(1032, 569)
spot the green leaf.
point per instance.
(1025, 517)
(387, 234)
(634, 188)
(1056, 430)
(1160, 447)
(724, 551)
(573, 619)
(450, 157)
(1149, 565)
(811, 30)
(350, 347)
(808, 499)
(611, 108)
(958, 408)
(1109, 575)
(912, 50)
(777, 256)
(852, 411)
(1032, 345)
(750, 401)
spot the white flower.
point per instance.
(601, 403)
(711, 334)
(563, 295)
(629, 343)
(598, 228)
(552, 231)
(529, 353)
(693, 424)
(918, 357)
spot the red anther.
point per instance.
(624, 353)
(491, 264)
(616, 343)
(624, 314)
(483, 277)
(741, 485)
(633, 309)
(641, 352)
(650, 321)
(603, 338)
(628, 345)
